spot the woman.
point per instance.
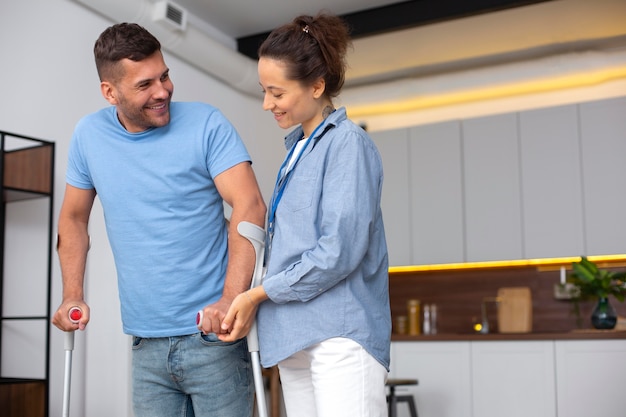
(323, 313)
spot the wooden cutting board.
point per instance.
(515, 310)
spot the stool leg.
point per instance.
(412, 407)
(392, 402)
(410, 401)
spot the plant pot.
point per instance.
(603, 315)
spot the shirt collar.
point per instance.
(335, 118)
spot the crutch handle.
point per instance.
(199, 318)
(75, 314)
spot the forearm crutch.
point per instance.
(75, 314)
(256, 236)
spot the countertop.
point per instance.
(583, 334)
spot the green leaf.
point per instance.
(595, 282)
(583, 271)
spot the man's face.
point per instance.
(142, 95)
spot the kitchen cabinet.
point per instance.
(590, 377)
(539, 378)
(513, 379)
(443, 372)
(491, 173)
(396, 206)
(535, 184)
(603, 138)
(552, 202)
(436, 193)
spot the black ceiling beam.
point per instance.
(401, 15)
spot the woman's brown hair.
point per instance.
(312, 47)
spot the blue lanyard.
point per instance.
(284, 173)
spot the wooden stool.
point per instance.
(393, 399)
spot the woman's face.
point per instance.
(291, 102)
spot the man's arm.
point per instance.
(239, 189)
(73, 245)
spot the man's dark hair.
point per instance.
(122, 41)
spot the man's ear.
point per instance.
(319, 87)
(108, 92)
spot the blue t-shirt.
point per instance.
(164, 216)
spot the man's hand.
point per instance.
(239, 319)
(212, 316)
(61, 317)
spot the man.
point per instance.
(162, 171)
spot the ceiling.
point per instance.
(246, 23)
(411, 55)
(250, 23)
(418, 38)
(240, 18)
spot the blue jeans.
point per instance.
(191, 376)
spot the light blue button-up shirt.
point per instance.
(327, 270)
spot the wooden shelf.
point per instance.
(27, 172)
(22, 397)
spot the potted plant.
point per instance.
(593, 283)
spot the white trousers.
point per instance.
(335, 378)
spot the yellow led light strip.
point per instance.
(541, 262)
(490, 93)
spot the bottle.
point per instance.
(433, 319)
(426, 323)
(400, 325)
(413, 307)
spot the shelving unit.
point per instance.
(26, 177)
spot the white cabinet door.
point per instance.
(603, 135)
(591, 376)
(513, 379)
(393, 148)
(551, 183)
(443, 372)
(436, 193)
(493, 217)
(511, 186)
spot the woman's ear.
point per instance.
(319, 87)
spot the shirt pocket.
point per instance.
(300, 191)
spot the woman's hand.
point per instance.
(241, 314)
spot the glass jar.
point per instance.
(413, 309)
(400, 325)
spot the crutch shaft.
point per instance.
(256, 236)
(67, 380)
(258, 384)
(74, 314)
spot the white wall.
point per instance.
(48, 82)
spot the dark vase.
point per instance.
(603, 315)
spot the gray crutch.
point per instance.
(75, 314)
(256, 236)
